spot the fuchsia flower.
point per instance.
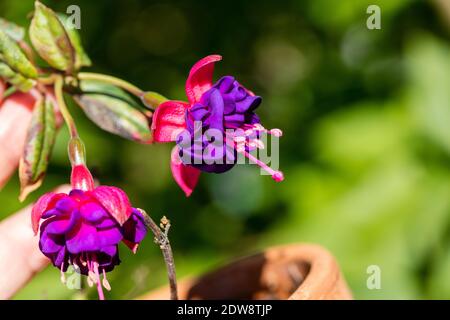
(225, 107)
(83, 228)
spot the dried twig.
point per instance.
(161, 238)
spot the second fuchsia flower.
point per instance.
(226, 108)
(84, 228)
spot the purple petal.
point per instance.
(92, 212)
(216, 118)
(109, 237)
(225, 84)
(49, 244)
(59, 258)
(84, 239)
(66, 205)
(250, 103)
(51, 213)
(63, 226)
(106, 223)
(134, 230)
(109, 251)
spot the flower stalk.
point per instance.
(161, 238)
(59, 83)
(112, 80)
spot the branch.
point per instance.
(161, 238)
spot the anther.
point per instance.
(276, 132)
(278, 176)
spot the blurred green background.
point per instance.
(365, 151)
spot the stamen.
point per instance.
(105, 282)
(92, 276)
(258, 143)
(90, 282)
(101, 295)
(276, 132)
(276, 175)
(63, 276)
(249, 132)
(83, 262)
(259, 127)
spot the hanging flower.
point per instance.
(216, 125)
(83, 228)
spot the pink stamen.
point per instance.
(91, 278)
(258, 143)
(276, 132)
(101, 295)
(276, 175)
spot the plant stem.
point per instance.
(59, 81)
(46, 81)
(162, 239)
(11, 90)
(112, 80)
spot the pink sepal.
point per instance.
(43, 204)
(81, 178)
(200, 77)
(115, 201)
(186, 176)
(169, 120)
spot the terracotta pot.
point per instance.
(296, 272)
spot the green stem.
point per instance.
(47, 80)
(112, 80)
(59, 82)
(11, 90)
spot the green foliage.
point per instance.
(16, 79)
(113, 110)
(14, 31)
(51, 40)
(12, 55)
(38, 146)
(81, 57)
(365, 149)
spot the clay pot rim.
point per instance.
(322, 281)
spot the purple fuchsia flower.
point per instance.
(225, 110)
(83, 228)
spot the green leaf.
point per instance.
(14, 31)
(50, 39)
(81, 58)
(38, 147)
(428, 63)
(14, 78)
(113, 110)
(13, 56)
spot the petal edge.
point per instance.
(185, 176)
(115, 201)
(169, 120)
(43, 204)
(200, 77)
